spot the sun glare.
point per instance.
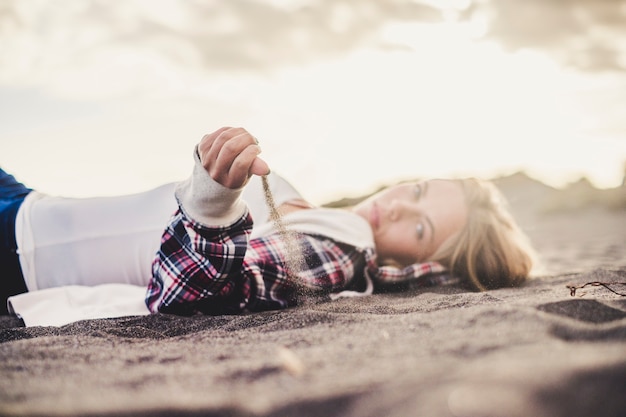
(424, 99)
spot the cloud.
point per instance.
(264, 36)
(96, 48)
(41, 39)
(586, 34)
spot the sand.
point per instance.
(530, 351)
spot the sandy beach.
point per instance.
(530, 351)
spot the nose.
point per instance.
(400, 209)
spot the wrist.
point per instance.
(207, 201)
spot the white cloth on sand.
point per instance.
(67, 304)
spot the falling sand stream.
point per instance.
(294, 260)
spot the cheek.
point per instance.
(401, 244)
(412, 248)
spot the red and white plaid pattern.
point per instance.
(220, 270)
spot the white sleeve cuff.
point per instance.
(207, 201)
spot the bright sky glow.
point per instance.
(94, 114)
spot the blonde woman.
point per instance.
(213, 260)
(218, 253)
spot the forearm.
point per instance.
(195, 263)
(202, 247)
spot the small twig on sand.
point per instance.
(573, 288)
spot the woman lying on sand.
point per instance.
(220, 254)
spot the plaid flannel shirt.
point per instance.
(220, 270)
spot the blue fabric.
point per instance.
(12, 194)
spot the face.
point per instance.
(410, 221)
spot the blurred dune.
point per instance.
(520, 189)
(528, 196)
(573, 228)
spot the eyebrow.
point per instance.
(428, 220)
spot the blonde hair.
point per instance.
(491, 251)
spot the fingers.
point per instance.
(205, 145)
(230, 156)
(259, 167)
(241, 167)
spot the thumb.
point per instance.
(259, 167)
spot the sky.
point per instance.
(106, 97)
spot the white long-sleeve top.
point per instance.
(92, 241)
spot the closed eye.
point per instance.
(418, 191)
(420, 231)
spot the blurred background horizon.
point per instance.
(101, 97)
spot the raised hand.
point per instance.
(230, 156)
